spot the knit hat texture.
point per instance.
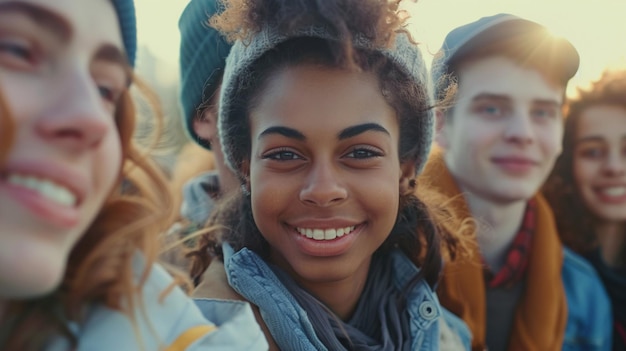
(537, 40)
(203, 53)
(403, 53)
(128, 24)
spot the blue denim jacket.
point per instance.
(288, 323)
(589, 323)
(168, 322)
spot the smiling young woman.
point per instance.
(325, 116)
(77, 254)
(587, 188)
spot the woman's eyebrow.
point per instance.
(42, 18)
(360, 129)
(284, 131)
(589, 139)
(346, 133)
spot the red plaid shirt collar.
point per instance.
(517, 258)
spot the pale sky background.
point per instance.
(597, 28)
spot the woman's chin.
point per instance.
(31, 279)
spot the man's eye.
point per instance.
(491, 110)
(544, 113)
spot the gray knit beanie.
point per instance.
(403, 53)
(203, 53)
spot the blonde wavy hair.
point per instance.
(99, 269)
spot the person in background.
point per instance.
(587, 188)
(326, 118)
(77, 254)
(203, 53)
(200, 176)
(499, 138)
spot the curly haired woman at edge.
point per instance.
(325, 116)
(587, 188)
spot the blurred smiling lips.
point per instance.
(331, 238)
(51, 192)
(517, 165)
(611, 194)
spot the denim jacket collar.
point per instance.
(251, 277)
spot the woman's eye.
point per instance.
(282, 156)
(109, 94)
(592, 153)
(110, 97)
(363, 154)
(111, 80)
(16, 53)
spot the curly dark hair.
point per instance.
(575, 221)
(425, 232)
(377, 20)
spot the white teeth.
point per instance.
(614, 191)
(330, 234)
(318, 234)
(45, 188)
(325, 234)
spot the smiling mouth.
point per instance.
(46, 188)
(614, 191)
(325, 234)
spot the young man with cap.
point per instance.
(499, 139)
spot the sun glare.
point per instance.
(590, 25)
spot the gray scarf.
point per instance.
(380, 321)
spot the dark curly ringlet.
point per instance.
(575, 221)
(363, 35)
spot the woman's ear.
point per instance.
(407, 177)
(244, 168)
(245, 178)
(441, 137)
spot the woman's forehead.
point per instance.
(87, 23)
